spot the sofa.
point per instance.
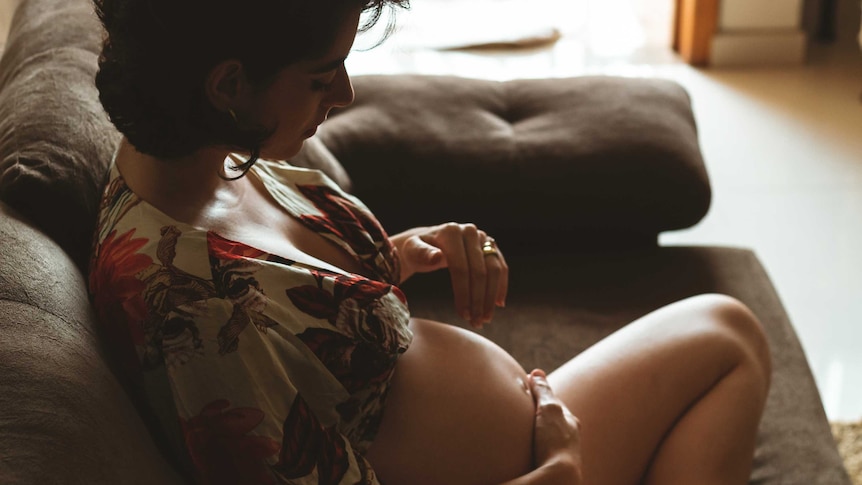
(575, 178)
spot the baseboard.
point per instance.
(758, 48)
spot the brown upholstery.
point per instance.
(64, 418)
(54, 147)
(508, 156)
(603, 163)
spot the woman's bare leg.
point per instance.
(673, 398)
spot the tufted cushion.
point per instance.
(609, 161)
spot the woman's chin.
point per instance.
(309, 133)
(282, 153)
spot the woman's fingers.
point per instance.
(478, 274)
(451, 241)
(460, 242)
(479, 280)
(557, 429)
(542, 392)
(426, 256)
(503, 284)
(492, 281)
(497, 281)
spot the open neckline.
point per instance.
(292, 212)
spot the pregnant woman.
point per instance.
(254, 308)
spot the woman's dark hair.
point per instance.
(157, 54)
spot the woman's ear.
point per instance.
(226, 85)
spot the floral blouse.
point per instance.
(257, 369)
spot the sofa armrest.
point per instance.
(64, 417)
(590, 161)
(55, 140)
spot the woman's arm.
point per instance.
(479, 280)
(560, 472)
(557, 442)
(411, 253)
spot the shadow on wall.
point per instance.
(828, 21)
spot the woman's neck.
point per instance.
(185, 188)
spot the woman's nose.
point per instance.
(342, 93)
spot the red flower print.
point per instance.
(221, 248)
(357, 227)
(228, 335)
(233, 278)
(314, 301)
(356, 364)
(361, 289)
(117, 294)
(362, 310)
(307, 444)
(323, 304)
(342, 214)
(220, 449)
(171, 335)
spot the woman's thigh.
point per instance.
(630, 389)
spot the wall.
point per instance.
(760, 14)
(759, 33)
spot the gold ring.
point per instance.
(489, 248)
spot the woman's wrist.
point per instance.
(563, 470)
(398, 241)
(557, 471)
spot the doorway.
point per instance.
(694, 24)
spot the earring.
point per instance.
(233, 116)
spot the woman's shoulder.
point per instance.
(131, 232)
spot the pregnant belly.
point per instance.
(458, 412)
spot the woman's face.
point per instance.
(300, 97)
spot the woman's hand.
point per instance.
(480, 278)
(557, 433)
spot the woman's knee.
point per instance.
(734, 321)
